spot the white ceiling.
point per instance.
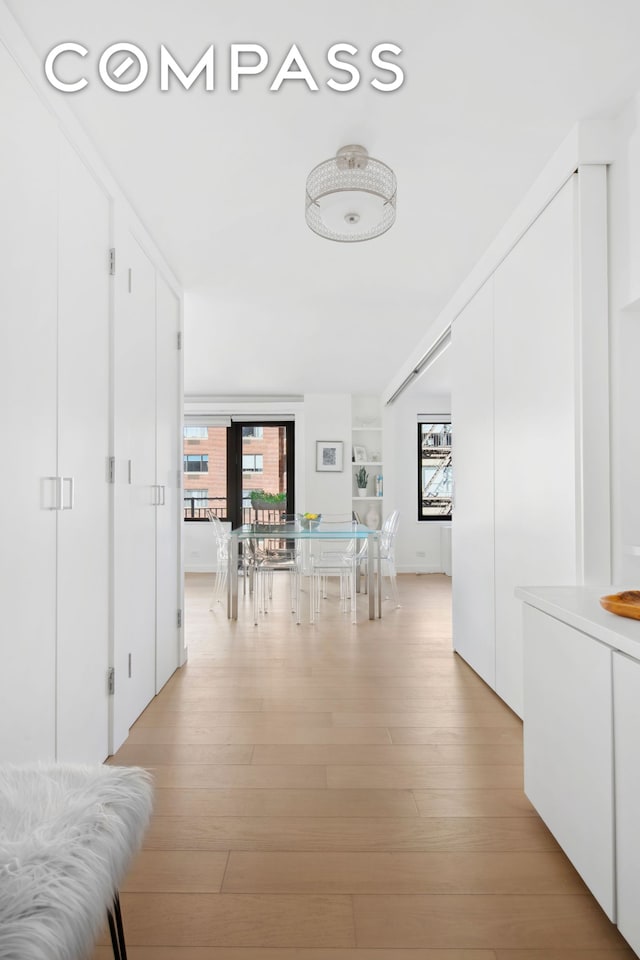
(492, 87)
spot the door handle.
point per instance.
(47, 483)
(71, 482)
(158, 496)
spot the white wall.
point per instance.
(624, 290)
(421, 546)
(199, 546)
(327, 416)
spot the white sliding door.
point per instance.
(535, 424)
(83, 447)
(28, 239)
(473, 455)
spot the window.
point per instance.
(205, 481)
(222, 464)
(195, 433)
(435, 472)
(252, 462)
(196, 463)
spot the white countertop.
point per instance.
(579, 607)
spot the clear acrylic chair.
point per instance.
(264, 563)
(221, 539)
(264, 557)
(388, 535)
(338, 558)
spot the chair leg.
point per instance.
(114, 936)
(354, 610)
(254, 592)
(393, 583)
(116, 929)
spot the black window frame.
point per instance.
(235, 473)
(234, 465)
(443, 517)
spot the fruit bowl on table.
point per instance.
(310, 521)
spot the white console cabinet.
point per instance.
(568, 745)
(581, 723)
(626, 720)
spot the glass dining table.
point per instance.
(293, 530)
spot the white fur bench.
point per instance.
(67, 837)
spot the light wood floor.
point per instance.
(334, 792)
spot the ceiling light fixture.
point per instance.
(351, 197)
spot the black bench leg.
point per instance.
(116, 930)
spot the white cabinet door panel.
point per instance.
(472, 526)
(626, 700)
(535, 425)
(568, 747)
(135, 490)
(83, 447)
(168, 513)
(28, 239)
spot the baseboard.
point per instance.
(191, 567)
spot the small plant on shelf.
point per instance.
(362, 479)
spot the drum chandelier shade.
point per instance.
(351, 197)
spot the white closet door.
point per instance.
(168, 513)
(473, 535)
(83, 447)
(28, 184)
(535, 425)
(135, 489)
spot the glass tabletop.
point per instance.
(293, 530)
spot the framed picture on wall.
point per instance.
(329, 455)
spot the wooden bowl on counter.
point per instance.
(625, 604)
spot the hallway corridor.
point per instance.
(340, 792)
